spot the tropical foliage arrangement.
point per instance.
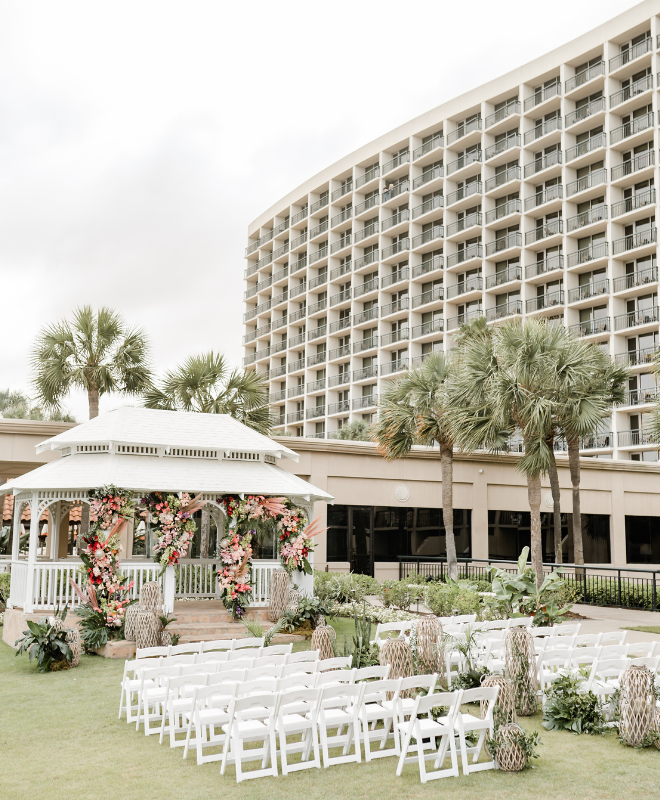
(567, 707)
(171, 518)
(46, 641)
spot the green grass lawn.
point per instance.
(60, 739)
(645, 629)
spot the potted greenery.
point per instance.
(47, 642)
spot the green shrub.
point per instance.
(48, 644)
(5, 583)
(343, 587)
(308, 610)
(445, 600)
(567, 708)
(401, 594)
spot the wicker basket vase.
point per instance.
(510, 755)
(520, 669)
(322, 639)
(397, 653)
(293, 600)
(147, 629)
(279, 594)
(151, 597)
(165, 638)
(636, 705)
(429, 636)
(129, 621)
(75, 643)
(505, 708)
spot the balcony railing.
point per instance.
(509, 309)
(397, 161)
(319, 280)
(369, 258)
(466, 254)
(641, 278)
(400, 188)
(317, 358)
(585, 111)
(317, 332)
(347, 213)
(549, 264)
(555, 192)
(436, 232)
(541, 95)
(296, 366)
(545, 162)
(472, 284)
(503, 113)
(591, 327)
(278, 276)
(395, 219)
(370, 202)
(281, 250)
(368, 176)
(636, 358)
(366, 372)
(365, 316)
(295, 416)
(426, 206)
(322, 202)
(436, 325)
(510, 174)
(314, 308)
(463, 319)
(594, 178)
(591, 253)
(634, 240)
(550, 125)
(635, 164)
(390, 367)
(366, 232)
(638, 87)
(396, 277)
(637, 397)
(464, 161)
(342, 269)
(427, 266)
(502, 146)
(589, 217)
(316, 386)
(340, 244)
(641, 200)
(315, 411)
(504, 276)
(399, 335)
(299, 240)
(438, 140)
(366, 287)
(597, 441)
(340, 297)
(365, 344)
(277, 372)
(256, 312)
(322, 252)
(398, 247)
(631, 53)
(550, 228)
(585, 76)
(468, 190)
(631, 128)
(428, 175)
(467, 222)
(368, 401)
(463, 129)
(338, 408)
(340, 324)
(504, 210)
(339, 380)
(296, 391)
(342, 190)
(402, 304)
(513, 239)
(587, 146)
(633, 319)
(543, 301)
(340, 352)
(589, 290)
(634, 438)
(432, 295)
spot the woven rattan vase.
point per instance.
(293, 600)
(151, 597)
(75, 643)
(147, 629)
(129, 621)
(322, 640)
(397, 653)
(165, 638)
(520, 669)
(510, 756)
(429, 636)
(636, 705)
(279, 594)
(505, 708)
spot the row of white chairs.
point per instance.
(587, 661)
(217, 645)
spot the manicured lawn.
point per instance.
(60, 739)
(646, 629)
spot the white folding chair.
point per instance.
(384, 630)
(550, 666)
(277, 650)
(469, 723)
(379, 673)
(334, 677)
(298, 716)
(300, 668)
(178, 705)
(613, 651)
(298, 681)
(216, 656)
(256, 673)
(650, 662)
(339, 708)
(151, 696)
(605, 677)
(582, 658)
(264, 684)
(464, 619)
(425, 731)
(239, 663)
(184, 658)
(269, 661)
(409, 689)
(520, 622)
(341, 662)
(495, 661)
(643, 649)
(221, 645)
(253, 642)
(566, 629)
(302, 657)
(186, 647)
(252, 719)
(152, 652)
(494, 625)
(210, 713)
(373, 710)
(588, 640)
(613, 637)
(132, 683)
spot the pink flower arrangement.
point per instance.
(172, 518)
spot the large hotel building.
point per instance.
(533, 195)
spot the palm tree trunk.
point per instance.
(534, 496)
(574, 467)
(447, 467)
(556, 496)
(93, 400)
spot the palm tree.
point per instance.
(17, 405)
(94, 351)
(205, 383)
(414, 410)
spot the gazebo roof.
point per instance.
(143, 450)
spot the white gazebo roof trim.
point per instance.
(167, 432)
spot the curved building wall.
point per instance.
(533, 195)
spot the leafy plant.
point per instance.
(445, 599)
(401, 594)
(93, 628)
(568, 708)
(466, 644)
(308, 609)
(343, 587)
(5, 541)
(256, 629)
(364, 653)
(5, 585)
(46, 641)
(527, 741)
(165, 620)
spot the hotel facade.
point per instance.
(531, 196)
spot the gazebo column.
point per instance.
(54, 515)
(16, 532)
(168, 590)
(16, 597)
(28, 604)
(306, 582)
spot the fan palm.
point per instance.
(205, 383)
(94, 351)
(413, 410)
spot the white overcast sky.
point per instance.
(138, 139)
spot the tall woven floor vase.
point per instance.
(636, 705)
(129, 621)
(520, 669)
(147, 629)
(397, 653)
(151, 597)
(322, 640)
(510, 756)
(429, 636)
(279, 594)
(75, 643)
(505, 707)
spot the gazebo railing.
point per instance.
(196, 578)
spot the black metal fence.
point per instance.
(625, 587)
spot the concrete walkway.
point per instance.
(602, 620)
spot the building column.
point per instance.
(618, 525)
(479, 514)
(28, 605)
(16, 531)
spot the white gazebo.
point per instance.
(142, 451)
